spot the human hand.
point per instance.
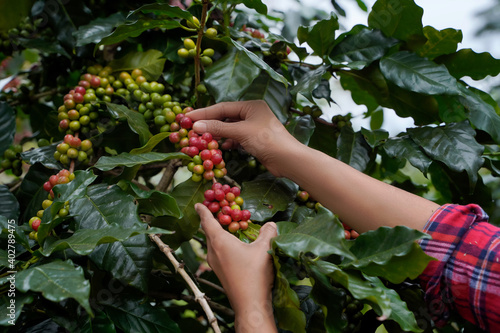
(250, 123)
(245, 271)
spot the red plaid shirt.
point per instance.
(466, 276)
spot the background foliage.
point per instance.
(96, 269)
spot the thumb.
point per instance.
(218, 128)
(268, 231)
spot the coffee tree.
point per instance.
(101, 170)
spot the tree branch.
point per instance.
(179, 269)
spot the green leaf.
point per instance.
(404, 147)
(43, 155)
(265, 197)
(481, 114)
(321, 235)
(156, 203)
(440, 42)
(230, 76)
(398, 19)
(84, 241)
(260, 7)
(400, 313)
(301, 128)
(390, 253)
(134, 119)
(352, 149)
(309, 81)
(361, 49)
(7, 228)
(466, 62)
(164, 10)
(106, 163)
(151, 62)
(151, 144)
(135, 29)
(186, 194)
(105, 205)
(57, 281)
(97, 29)
(363, 90)
(274, 93)
(454, 145)
(258, 62)
(321, 36)
(9, 206)
(374, 138)
(7, 126)
(137, 315)
(413, 73)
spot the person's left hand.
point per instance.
(245, 271)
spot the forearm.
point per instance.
(362, 202)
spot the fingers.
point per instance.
(218, 128)
(268, 231)
(231, 110)
(208, 223)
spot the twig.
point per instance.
(15, 186)
(179, 269)
(189, 298)
(168, 175)
(199, 279)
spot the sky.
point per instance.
(441, 14)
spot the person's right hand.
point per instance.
(250, 123)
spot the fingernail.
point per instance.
(200, 127)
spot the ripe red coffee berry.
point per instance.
(205, 154)
(226, 210)
(35, 224)
(179, 117)
(47, 186)
(236, 214)
(230, 196)
(235, 190)
(75, 142)
(216, 158)
(207, 136)
(217, 186)
(226, 188)
(80, 90)
(243, 225)
(225, 219)
(223, 203)
(192, 151)
(245, 214)
(212, 144)
(174, 137)
(233, 227)
(219, 194)
(209, 195)
(64, 124)
(208, 175)
(208, 165)
(186, 122)
(53, 180)
(214, 207)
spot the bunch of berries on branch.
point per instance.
(72, 148)
(62, 177)
(225, 203)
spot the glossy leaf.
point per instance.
(308, 82)
(352, 149)
(411, 72)
(9, 206)
(273, 92)
(229, 77)
(481, 114)
(57, 281)
(127, 260)
(164, 10)
(398, 19)
(151, 62)
(440, 42)
(374, 138)
(361, 49)
(454, 145)
(321, 235)
(265, 197)
(6, 316)
(301, 128)
(466, 62)
(97, 29)
(363, 92)
(43, 155)
(134, 119)
(7, 126)
(155, 203)
(84, 241)
(321, 36)
(7, 227)
(128, 160)
(390, 253)
(404, 147)
(133, 314)
(187, 194)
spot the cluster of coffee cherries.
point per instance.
(73, 148)
(79, 112)
(339, 121)
(225, 203)
(349, 232)
(189, 51)
(10, 39)
(62, 177)
(352, 313)
(313, 110)
(12, 160)
(305, 198)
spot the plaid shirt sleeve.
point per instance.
(466, 275)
